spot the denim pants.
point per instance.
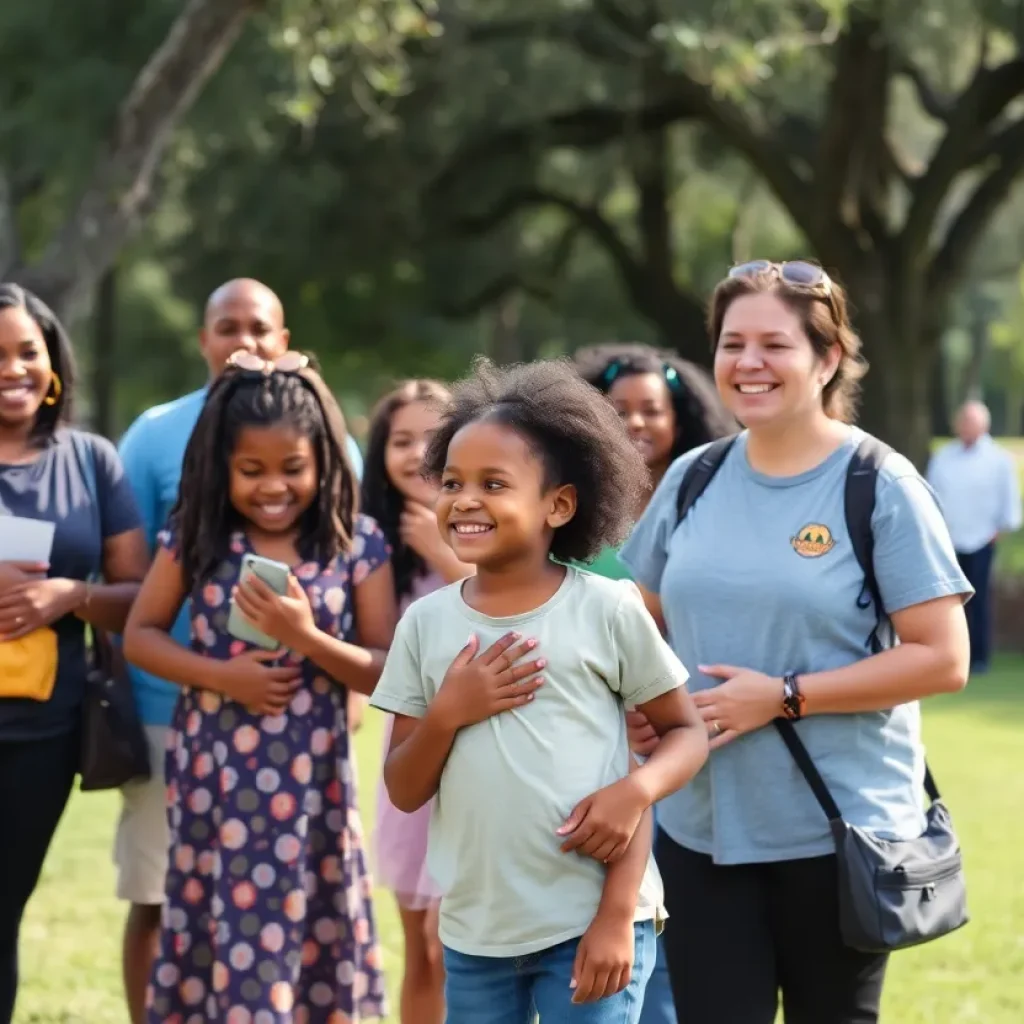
(509, 990)
(659, 1006)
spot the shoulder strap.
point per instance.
(859, 502)
(700, 473)
(859, 505)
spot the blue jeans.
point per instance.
(659, 1006)
(509, 990)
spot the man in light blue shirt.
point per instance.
(241, 314)
(978, 485)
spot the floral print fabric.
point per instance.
(268, 917)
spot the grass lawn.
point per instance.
(70, 941)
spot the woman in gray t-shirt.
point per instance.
(71, 485)
(758, 591)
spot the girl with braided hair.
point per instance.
(268, 914)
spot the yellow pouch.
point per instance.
(28, 665)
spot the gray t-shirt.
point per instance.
(55, 488)
(761, 575)
(512, 780)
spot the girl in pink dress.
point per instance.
(397, 496)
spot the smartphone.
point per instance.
(275, 575)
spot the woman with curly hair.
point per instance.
(669, 406)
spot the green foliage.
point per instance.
(312, 161)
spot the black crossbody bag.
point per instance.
(114, 746)
(893, 893)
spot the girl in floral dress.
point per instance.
(396, 494)
(268, 917)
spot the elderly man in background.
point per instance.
(978, 485)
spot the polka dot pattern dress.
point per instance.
(268, 917)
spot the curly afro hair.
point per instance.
(575, 433)
(699, 413)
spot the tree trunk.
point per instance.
(971, 384)
(506, 342)
(120, 190)
(896, 403)
(940, 393)
(682, 326)
(104, 354)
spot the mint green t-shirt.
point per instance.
(512, 780)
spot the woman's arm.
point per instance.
(933, 656)
(125, 560)
(358, 666)
(34, 602)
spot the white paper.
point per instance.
(25, 540)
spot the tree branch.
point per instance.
(968, 227)
(490, 294)
(848, 115)
(592, 37)
(583, 128)
(979, 105)
(934, 105)
(587, 216)
(121, 186)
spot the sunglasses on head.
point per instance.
(795, 273)
(290, 362)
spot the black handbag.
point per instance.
(892, 893)
(114, 746)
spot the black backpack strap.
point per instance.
(861, 482)
(699, 474)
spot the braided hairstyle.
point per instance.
(575, 433)
(699, 413)
(204, 518)
(381, 498)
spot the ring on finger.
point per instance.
(717, 729)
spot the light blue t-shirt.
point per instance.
(761, 575)
(152, 450)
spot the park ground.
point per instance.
(70, 941)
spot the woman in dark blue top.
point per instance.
(74, 481)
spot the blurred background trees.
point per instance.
(424, 181)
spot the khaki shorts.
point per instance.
(142, 839)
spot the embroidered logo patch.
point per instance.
(813, 540)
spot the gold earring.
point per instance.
(57, 389)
